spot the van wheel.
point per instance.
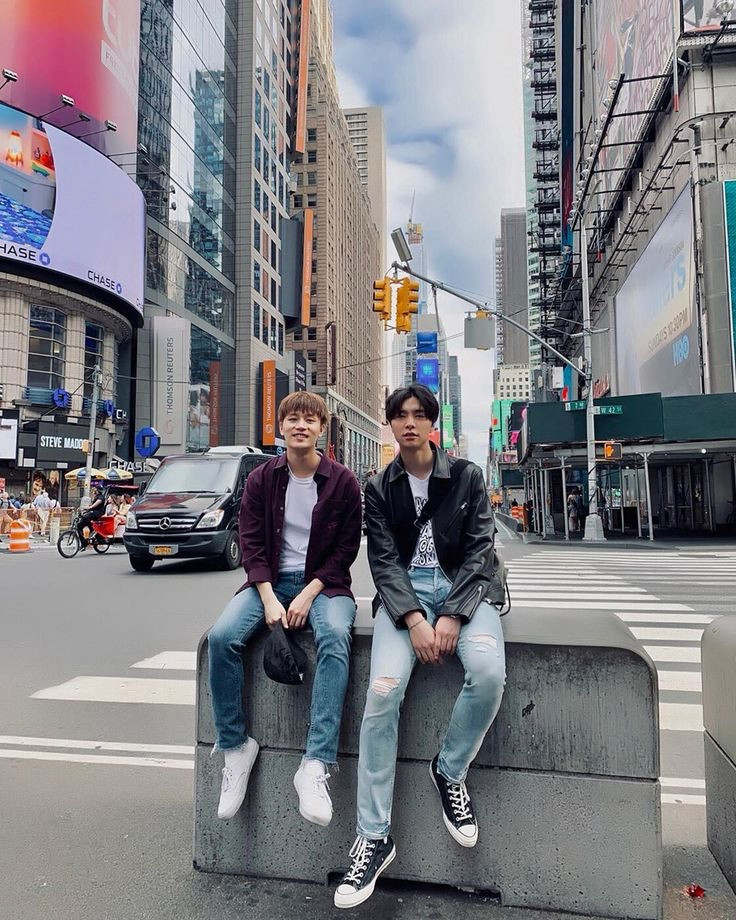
(230, 558)
(141, 563)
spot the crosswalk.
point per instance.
(665, 598)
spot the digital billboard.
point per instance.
(633, 37)
(657, 349)
(87, 50)
(67, 208)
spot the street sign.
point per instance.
(608, 410)
(576, 405)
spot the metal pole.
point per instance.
(563, 471)
(543, 502)
(638, 502)
(486, 308)
(649, 497)
(92, 426)
(621, 496)
(439, 336)
(593, 524)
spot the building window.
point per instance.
(46, 348)
(311, 135)
(281, 338)
(312, 334)
(273, 333)
(297, 335)
(274, 302)
(257, 152)
(314, 378)
(311, 178)
(256, 235)
(311, 156)
(274, 256)
(258, 108)
(256, 275)
(311, 201)
(298, 202)
(257, 320)
(93, 339)
(264, 328)
(312, 355)
(256, 195)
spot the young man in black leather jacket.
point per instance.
(433, 570)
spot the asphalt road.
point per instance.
(97, 726)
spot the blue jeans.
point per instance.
(331, 619)
(480, 648)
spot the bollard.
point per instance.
(54, 528)
(20, 534)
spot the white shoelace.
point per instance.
(460, 801)
(361, 853)
(227, 778)
(321, 786)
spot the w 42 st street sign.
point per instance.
(608, 410)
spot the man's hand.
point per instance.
(298, 611)
(446, 633)
(422, 637)
(274, 612)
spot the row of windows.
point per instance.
(268, 329)
(47, 349)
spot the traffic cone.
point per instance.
(20, 537)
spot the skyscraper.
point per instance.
(368, 137)
(511, 284)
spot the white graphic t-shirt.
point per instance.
(425, 554)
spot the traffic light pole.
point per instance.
(593, 523)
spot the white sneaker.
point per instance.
(236, 772)
(310, 782)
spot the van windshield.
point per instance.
(195, 475)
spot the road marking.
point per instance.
(672, 798)
(680, 717)
(577, 595)
(73, 743)
(536, 583)
(172, 661)
(681, 681)
(122, 690)
(674, 653)
(683, 618)
(101, 760)
(681, 782)
(665, 635)
(595, 605)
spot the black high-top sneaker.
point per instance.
(369, 859)
(457, 809)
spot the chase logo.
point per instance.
(104, 281)
(44, 259)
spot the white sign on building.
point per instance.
(170, 378)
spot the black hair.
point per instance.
(426, 398)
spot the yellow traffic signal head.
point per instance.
(413, 296)
(382, 298)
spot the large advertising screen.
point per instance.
(632, 37)
(657, 347)
(67, 208)
(85, 49)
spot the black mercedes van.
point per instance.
(190, 508)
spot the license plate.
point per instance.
(164, 550)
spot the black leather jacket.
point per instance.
(463, 529)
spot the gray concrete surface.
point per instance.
(577, 742)
(719, 717)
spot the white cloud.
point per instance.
(450, 85)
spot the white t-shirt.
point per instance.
(301, 497)
(425, 554)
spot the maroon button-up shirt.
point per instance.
(334, 539)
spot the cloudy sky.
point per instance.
(448, 76)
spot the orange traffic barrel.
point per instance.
(20, 537)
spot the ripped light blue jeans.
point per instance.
(480, 648)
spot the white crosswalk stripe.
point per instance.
(666, 598)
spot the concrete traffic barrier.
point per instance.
(718, 652)
(20, 537)
(565, 786)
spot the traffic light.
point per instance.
(610, 451)
(407, 302)
(382, 298)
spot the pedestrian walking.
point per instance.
(431, 553)
(42, 505)
(300, 529)
(573, 510)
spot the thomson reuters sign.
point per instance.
(268, 403)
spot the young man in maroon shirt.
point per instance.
(300, 529)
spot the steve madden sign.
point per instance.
(61, 442)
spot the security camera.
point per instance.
(110, 125)
(10, 75)
(66, 100)
(84, 117)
